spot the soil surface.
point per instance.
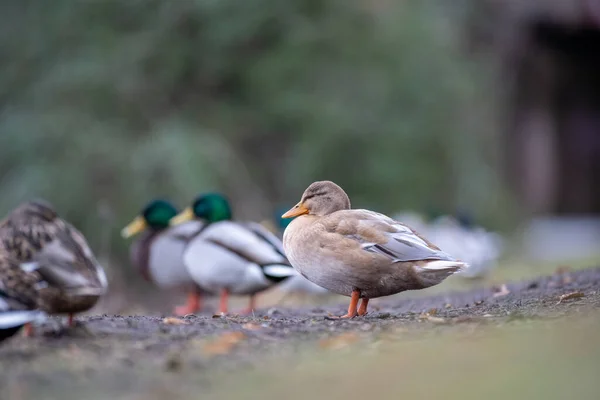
(118, 355)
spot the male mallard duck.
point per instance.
(47, 263)
(158, 253)
(359, 253)
(231, 257)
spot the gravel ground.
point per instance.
(119, 355)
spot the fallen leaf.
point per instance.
(224, 343)
(250, 326)
(174, 321)
(428, 313)
(436, 320)
(501, 291)
(569, 296)
(339, 341)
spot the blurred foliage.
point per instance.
(106, 104)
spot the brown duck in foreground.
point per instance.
(359, 253)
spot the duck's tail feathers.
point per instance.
(435, 271)
(13, 319)
(442, 265)
(278, 272)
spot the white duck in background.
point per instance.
(480, 248)
(229, 257)
(158, 252)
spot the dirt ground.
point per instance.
(138, 356)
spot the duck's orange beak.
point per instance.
(298, 209)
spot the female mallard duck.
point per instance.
(359, 253)
(158, 253)
(47, 263)
(231, 257)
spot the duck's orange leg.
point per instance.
(70, 321)
(251, 305)
(28, 330)
(353, 305)
(224, 301)
(362, 310)
(193, 304)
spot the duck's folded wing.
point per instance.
(245, 242)
(377, 233)
(66, 262)
(18, 284)
(266, 235)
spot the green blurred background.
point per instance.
(432, 106)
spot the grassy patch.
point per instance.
(523, 359)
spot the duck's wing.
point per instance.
(266, 235)
(58, 253)
(67, 261)
(19, 285)
(253, 244)
(376, 233)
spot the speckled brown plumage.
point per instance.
(63, 275)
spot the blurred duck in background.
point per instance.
(459, 237)
(46, 264)
(157, 251)
(473, 244)
(231, 258)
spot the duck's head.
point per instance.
(211, 207)
(155, 215)
(320, 198)
(37, 209)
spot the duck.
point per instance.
(461, 238)
(359, 253)
(14, 314)
(157, 253)
(230, 257)
(47, 263)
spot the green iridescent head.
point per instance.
(158, 213)
(212, 207)
(155, 215)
